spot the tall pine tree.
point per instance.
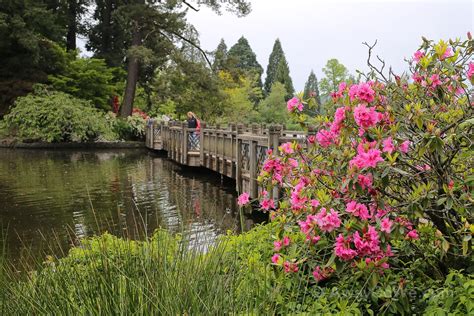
(220, 56)
(282, 75)
(311, 90)
(273, 61)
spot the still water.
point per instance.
(62, 196)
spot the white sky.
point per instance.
(313, 31)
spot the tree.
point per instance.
(282, 75)
(74, 10)
(220, 56)
(335, 73)
(89, 79)
(273, 62)
(241, 56)
(30, 37)
(273, 108)
(311, 90)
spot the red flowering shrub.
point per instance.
(394, 162)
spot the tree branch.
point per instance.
(190, 6)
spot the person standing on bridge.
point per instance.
(193, 122)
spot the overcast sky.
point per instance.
(313, 31)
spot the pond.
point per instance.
(53, 198)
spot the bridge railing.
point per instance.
(237, 151)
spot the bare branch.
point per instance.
(194, 45)
(190, 6)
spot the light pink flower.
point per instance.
(286, 241)
(404, 146)
(267, 204)
(435, 81)
(386, 225)
(277, 244)
(388, 145)
(447, 53)
(318, 274)
(243, 199)
(286, 148)
(470, 71)
(418, 55)
(294, 103)
(324, 138)
(327, 222)
(314, 203)
(275, 258)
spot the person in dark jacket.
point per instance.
(192, 120)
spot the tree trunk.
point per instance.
(132, 77)
(71, 25)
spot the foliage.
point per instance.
(335, 73)
(237, 104)
(282, 75)
(311, 90)
(56, 117)
(89, 79)
(273, 61)
(273, 108)
(383, 186)
(242, 61)
(220, 57)
(191, 86)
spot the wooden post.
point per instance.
(238, 158)
(184, 148)
(253, 169)
(274, 132)
(201, 144)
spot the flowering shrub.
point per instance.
(396, 159)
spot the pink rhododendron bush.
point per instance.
(383, 184)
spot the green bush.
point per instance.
(56, 117)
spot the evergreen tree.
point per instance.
(273, 62)
(220, 56)
(311, 89)
(282, 75)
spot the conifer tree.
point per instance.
(282, 75)
(220, 56)
(311, 89)
(273, 61)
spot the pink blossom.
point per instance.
(365, 92)
(311, 139)
(340, 115)
(267, 204)
(353, 92)
(418, 55)
(366, 159)
(386, 225)
(313, 239)
(404, 146)
(324, 138)
(277, 244)
(435, 81)
(358, 210)
(243, 199)
(286, 148)
(417, 78)
(314, 203)
(342, 248)
(318, 274)
(470, 71)
(366, 117)
(447, 53)
(365, 181)
(294, 103)
(327, 222)
(290, 267)
(388, 145)
(369, 244)
(286, 241)
(275, 258)
(413, 234)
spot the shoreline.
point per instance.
(87, 145)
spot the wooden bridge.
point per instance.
(237, 152)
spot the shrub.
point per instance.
(56, 117)
(385, 183)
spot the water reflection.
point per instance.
(67, 195)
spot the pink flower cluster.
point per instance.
(366, 157)
(418, 55)
(362, 92)
(358, 210)
(366, 117)
(470, 71)
(243, 199)
(294, 103)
